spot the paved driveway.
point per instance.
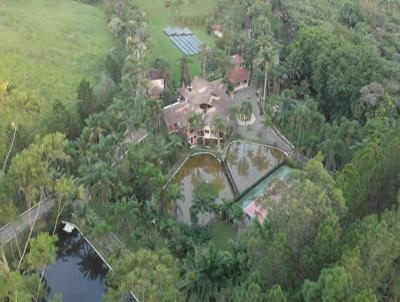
(257, 131)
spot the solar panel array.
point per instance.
(184, 39)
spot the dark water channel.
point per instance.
(78, 273)
(247, 162)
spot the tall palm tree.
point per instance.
(169, 200)
(95, 122)
(126, 211)
(174, 145)
(219, 126)
(13, 126)
(161, 151)
(184, 69)
(203, 55)
(266, 57)
(153, 112)
(246, 110)
(196, 123)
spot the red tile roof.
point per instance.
(256, 211)
(239, 74)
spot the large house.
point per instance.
(207, 100)
(239, 76)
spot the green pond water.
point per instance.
(247, 162)
(200, 168)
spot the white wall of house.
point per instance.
(241, 85)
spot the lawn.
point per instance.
(160, 17)
(50, 46)
(221, 232)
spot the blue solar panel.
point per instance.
(194, 43)
(184, 39)
(168, 31)
(187, 31)
(197, 40)
(179, 44)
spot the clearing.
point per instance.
(50, 46)
(160, 17)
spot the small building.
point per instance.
(217, 30)
(270, 189)
(239, 77)
(156, 89)
(207, 99)
(156, 85)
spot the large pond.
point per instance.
(78, 273)
(200, 168)
(249, 162)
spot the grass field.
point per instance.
(160, 17)
(50, 46)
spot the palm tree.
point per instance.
(13, 126)
(161, 151)
(174, 145)
(100, 177)
(219, 125)
(95, 124)
(173, 194)
(206, 273)
(184, 69)
(196, 123)
(126, 212)
(266, 56)
(175, 142)
(246, 111)
(204, 197)
(233, 114)
(203, 55)
(153, 112)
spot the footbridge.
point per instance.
(230, 179)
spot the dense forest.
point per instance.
(327, 76)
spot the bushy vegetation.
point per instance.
(326, 75)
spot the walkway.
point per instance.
(131, 137)
(230, 179)
(257, 131)
(9, 231)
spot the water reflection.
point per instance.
(200, 168)
(249, 162)
(78, 272)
